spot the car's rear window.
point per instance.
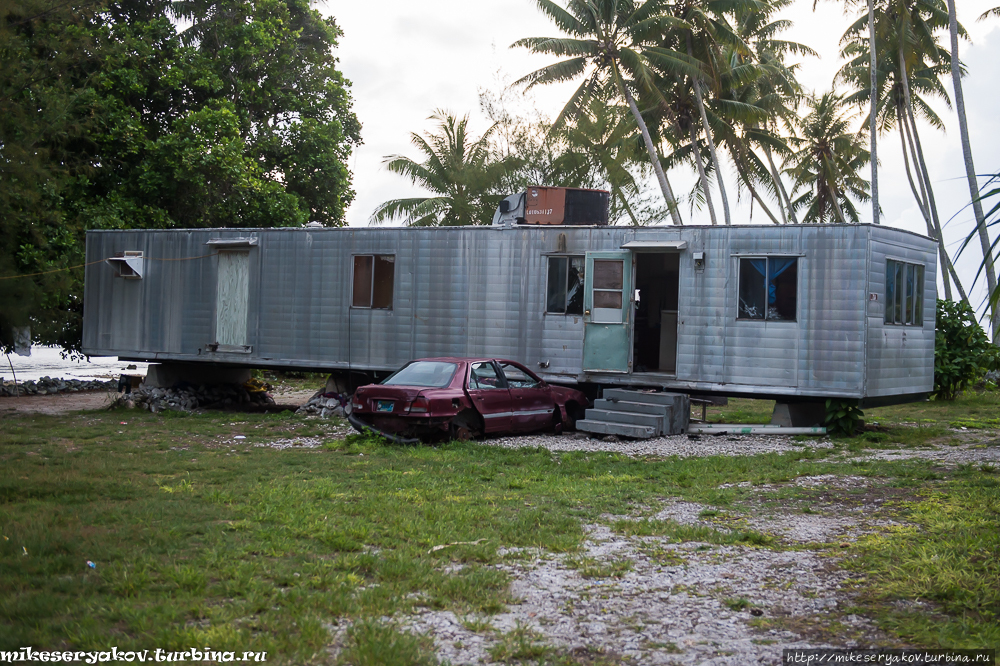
(430, 374)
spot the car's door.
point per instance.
(488, 390)
(531, 399)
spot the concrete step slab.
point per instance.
(623, 429)
(634, 407)
(633, 418)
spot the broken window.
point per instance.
(517, 378)
(768, 288)
(904, 293)
(484, 376)
(373, 280)
(565, 291)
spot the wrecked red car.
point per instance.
(463, 398)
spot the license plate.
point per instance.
(383, 406)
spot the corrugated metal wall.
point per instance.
(475, 291)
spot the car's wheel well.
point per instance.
(468, 419)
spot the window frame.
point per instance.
(767, 271)
(371, 286)
(909, 298)
(566, 287)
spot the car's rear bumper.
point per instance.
(363, 428)
(404, 429)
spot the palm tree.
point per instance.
(970, 168)
(826, 163)
(610, 41)
(460, 170)
(706, 37)
(600, 148)
(760, 97)
(910, 63)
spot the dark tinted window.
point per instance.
(768, 288)
(374, 276)
(904, 293)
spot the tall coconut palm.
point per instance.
(760, 95)
(600, 150)
(826, 164)
(459, 169)
(872, 115)
(910, 62)
(704, 34)
(970, 167)
(610, 40)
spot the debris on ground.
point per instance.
(50, 385)
(324, 405)
(187, 398)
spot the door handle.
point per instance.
(586, 312)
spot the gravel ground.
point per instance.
(682, 446)
(693, 603)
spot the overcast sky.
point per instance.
(407, 59)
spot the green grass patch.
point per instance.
(199, 538)
(949, 558)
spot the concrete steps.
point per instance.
(638, 414)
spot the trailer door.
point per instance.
(607, 306)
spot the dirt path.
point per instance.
(62, 403)
(59, 403)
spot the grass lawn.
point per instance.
(202, 539)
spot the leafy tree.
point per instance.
(826, 163)
(460, 170)
(611, 41)
(111, 118)
(46, 108)
(962, 351)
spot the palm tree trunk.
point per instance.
(786, 203)
(872, 115)
(836, 204)
(668, 194)
(921, 197)
(744, 174)
(970, 169)
(923, 173)
(711, 142)
(921, 202)
(696, 153)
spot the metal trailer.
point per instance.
(795, 311)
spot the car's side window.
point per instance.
(484, 376)
(517, 378)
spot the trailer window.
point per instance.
(565, 286)
(373, 281)
(904, 293)
(768, 288)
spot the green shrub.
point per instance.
(962, 352)
(842, 417)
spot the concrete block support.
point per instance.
(798, 414)
(169, 375)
